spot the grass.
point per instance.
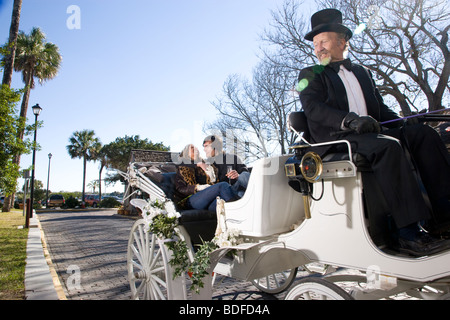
(13, 245)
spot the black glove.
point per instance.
(414, 120)
(361, 124)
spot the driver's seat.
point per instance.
(297, 120)
(376, 208)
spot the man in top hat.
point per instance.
(338, 95)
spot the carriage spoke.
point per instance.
(137, 265)
(158, 269)
(277, 282)
(155, 259)
(137, 254)
(160, 281)
(158, 291)
(140, 289)
(138, 249)
(148, 268)
(142, 243)
(152, 245)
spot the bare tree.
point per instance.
(240, 116)
(284, 43)
(405, 43)
(255, 112)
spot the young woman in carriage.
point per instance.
(196, 183)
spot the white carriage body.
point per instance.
(336, 234)
(277, 237)
(269, 206)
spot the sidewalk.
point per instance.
(41, 280)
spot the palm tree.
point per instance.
(35, 58)
(102, 157)
(84, 144)
(93, 184)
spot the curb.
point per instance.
(41, 279)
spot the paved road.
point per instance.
(89, 249)
(89, 252)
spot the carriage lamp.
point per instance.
(290, 169)
(303, 169)
(311, 167)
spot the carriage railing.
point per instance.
(138, 180)
(300, 136)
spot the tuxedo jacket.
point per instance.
(325, 104)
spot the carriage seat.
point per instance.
(298, 122)
(199, 224)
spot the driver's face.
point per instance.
(328, 47)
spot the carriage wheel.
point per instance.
(147, 263)
(317, 289)
(275, 283)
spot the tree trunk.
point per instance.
(100, 183)
(12, 43)
(84, 178)
(8, 72)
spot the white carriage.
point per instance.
(297, 211)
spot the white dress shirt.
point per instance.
(355, 97)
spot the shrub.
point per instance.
(72, 203)
(110, 203)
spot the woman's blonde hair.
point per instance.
(185, 156)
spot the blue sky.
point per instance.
(138, 67)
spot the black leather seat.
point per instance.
(298, 121)
(200, 224)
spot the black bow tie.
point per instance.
(337, 64)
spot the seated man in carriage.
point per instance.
(230, 166)
(338, 95)
(196, 182)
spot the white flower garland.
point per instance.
(228, 238)
(155, 208)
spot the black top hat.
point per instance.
(327, 20)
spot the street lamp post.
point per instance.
(36, 111)
(48, 178)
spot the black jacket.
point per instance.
(324, 100)
(225, 160)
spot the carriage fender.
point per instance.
(275, 260)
